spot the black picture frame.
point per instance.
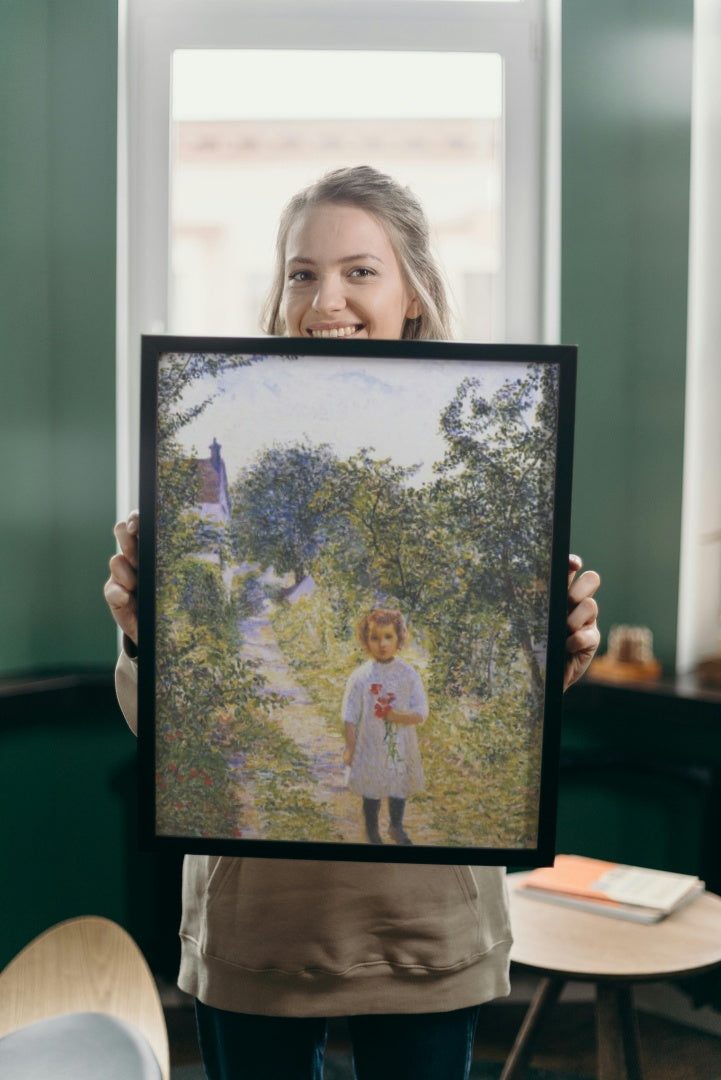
(287, 487)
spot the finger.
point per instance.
(581, 651)
(586, 640)
(584, 613)
(118, 598)
(123, 608)
(123, 573)
(575, 563)
(126, 534)
(586, 585)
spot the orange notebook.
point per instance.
(632, 892)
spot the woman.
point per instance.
(271, 948)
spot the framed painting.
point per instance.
(352, 597)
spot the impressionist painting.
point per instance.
(351, 574)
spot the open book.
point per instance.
(608, 888)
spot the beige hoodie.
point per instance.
(285, 937)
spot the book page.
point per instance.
(652, 888)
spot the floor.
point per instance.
(669, 1050)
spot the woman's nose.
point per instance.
(329, 296)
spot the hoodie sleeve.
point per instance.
(126, 688)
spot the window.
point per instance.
(236, 159)
(227, 107)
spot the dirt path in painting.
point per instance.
(322, 748)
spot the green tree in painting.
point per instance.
(179, 529)
(276, 519)
(496, 481)
(465, 556)
(205, 693)
(381, 541)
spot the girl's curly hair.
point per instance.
(383, 617)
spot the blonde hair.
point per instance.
(402, 216)
(383, 617)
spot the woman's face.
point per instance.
(342, 277)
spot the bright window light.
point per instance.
(222, 84)
(239, 155)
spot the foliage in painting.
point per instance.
(277, 519)
(208, 698)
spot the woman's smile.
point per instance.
(335, 331)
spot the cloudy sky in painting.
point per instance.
(392, 406)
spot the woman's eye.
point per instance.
(362, 272)
(300, 276)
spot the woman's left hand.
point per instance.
(583, 635)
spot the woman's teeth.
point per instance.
(336, 332)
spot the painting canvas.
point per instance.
(353, 573)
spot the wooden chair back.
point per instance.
(87, 964)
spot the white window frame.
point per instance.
(699, 597)
(526, 34)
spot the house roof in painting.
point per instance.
(212, 479)
(209, 482)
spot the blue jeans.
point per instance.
(405, 1046)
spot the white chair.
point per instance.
(79, 1002)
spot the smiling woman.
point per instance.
(353, 259)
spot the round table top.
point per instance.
(559, 940)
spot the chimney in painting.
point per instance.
(215, 455)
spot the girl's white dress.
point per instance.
(386, 760)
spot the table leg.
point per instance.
(545, 997)
(617, 1033)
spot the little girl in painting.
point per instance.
(384, 701)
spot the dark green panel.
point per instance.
(626, 146)
(70, 792)
(641, 777)
(58, 75)
(626, 817)
(69, 795)
(83, 129)
(26, 484)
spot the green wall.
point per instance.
(58, 73)
(625, 200)
(69, 761)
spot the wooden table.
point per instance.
(563, 944)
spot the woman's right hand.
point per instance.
(121, 587)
